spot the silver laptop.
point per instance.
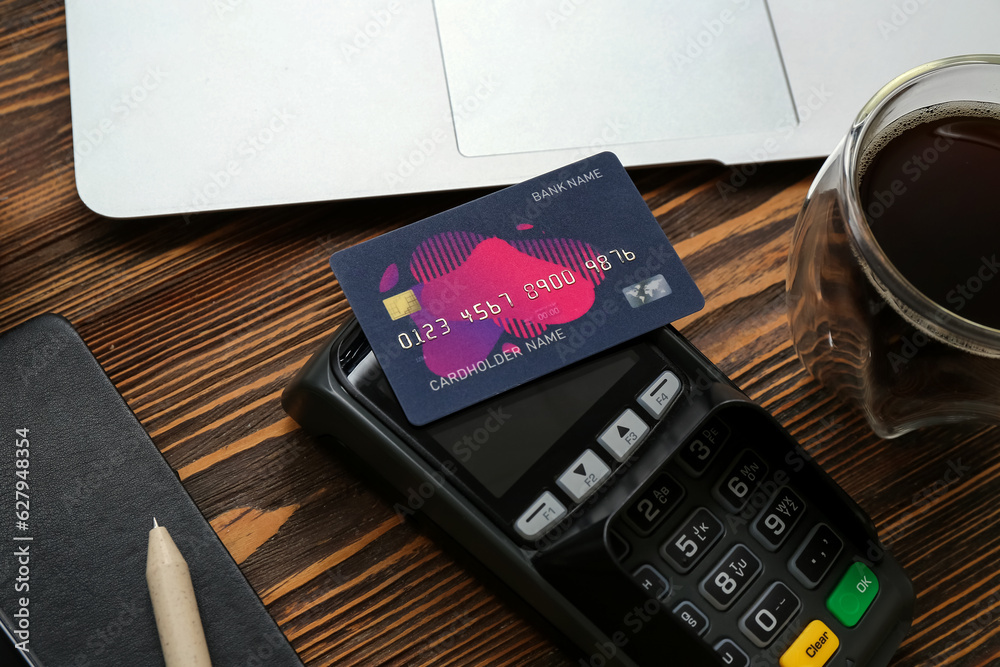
(197, 105)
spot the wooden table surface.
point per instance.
(200, 322)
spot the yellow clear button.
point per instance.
(814, 647)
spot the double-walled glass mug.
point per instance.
(893, 300)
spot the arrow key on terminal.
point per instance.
(624, 435)
(583, 476)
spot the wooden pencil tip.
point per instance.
(154, 523)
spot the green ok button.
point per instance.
(853, 595)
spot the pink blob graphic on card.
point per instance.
(539, 291)
(389, 278)
(477, 286)
(465, 344)
(510, 348)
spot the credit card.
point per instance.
(484, 297)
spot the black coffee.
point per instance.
(930, 188)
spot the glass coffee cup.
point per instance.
(893, 287)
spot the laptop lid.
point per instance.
(197, 106)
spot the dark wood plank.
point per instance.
(201, 321)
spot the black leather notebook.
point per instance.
(80, 483)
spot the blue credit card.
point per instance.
(507, 288)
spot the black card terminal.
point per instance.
(638, 501)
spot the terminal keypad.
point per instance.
(731, 545)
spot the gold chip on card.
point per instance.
(402, 305)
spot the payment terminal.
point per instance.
(648, 510)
